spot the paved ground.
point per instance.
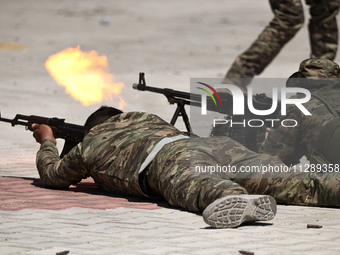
(171, 41)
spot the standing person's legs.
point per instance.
(288, 19)
(323, 28)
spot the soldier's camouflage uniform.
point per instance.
(288, 19)
(113, 152)
(313, 132)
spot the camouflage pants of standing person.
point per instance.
(288, 19)
(186, 173)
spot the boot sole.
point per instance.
(232, 211)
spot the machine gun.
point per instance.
(71, 133)
(251, 137)
(174, 97)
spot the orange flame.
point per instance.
(84, 76)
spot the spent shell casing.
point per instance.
(62, 252)
(313, 226)
(246, 252)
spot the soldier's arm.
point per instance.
(55, 172)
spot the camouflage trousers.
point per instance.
(288, 19)
(193, 178)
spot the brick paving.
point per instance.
(17, 193)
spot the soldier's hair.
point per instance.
(100, 116)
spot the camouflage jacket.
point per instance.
(291, 143)
(111, 153)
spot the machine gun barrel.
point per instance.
(171, 94)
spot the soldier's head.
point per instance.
(314, 73)
(100, 116)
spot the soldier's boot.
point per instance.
(231, 211)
